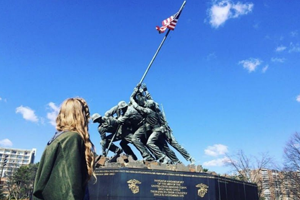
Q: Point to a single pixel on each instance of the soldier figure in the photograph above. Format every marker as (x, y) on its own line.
(107, 125)
(154, 124)
(169, 137)
(164, 135)
(126, 128)
(138, 128)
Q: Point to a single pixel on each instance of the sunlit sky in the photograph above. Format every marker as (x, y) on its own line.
(227, 76)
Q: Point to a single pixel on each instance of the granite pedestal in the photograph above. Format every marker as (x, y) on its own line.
(152, 184)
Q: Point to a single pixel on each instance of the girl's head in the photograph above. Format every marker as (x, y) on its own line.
(73, 115)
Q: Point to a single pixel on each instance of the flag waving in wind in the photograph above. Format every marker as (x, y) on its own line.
(169, 23)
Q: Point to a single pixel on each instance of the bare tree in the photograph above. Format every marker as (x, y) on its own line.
(292, 163)
(244, 165)
(249, 168)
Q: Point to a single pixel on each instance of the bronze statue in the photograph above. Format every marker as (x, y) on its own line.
(142, 124)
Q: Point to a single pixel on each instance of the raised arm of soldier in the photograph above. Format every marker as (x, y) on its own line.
(136, 105)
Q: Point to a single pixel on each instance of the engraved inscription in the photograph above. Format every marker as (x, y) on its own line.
(99, 172)
(168, 188)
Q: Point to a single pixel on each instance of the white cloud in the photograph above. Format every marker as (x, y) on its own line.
(219, 13)
(280, 60)
(280, 48)
(298, 98)
(53, 114)
(6, 143)
(1, 99)
(28, 113)
(217, 162)
(281, 38)
(294, 33)
(241, 9)
(223, 10)
(211, 56)
(250, 64)
(265, 69)
(42, 120)
(256, 25)
(294, 48)
(216, 150)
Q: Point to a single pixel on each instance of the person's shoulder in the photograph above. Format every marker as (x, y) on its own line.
(63, 140)
(70, 134)
(70, 138)
(67, 136)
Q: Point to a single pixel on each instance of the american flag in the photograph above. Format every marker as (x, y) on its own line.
(169, 23)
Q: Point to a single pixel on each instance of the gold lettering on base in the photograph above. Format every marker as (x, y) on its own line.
(202, 189)
(168, 188)
(133, 187)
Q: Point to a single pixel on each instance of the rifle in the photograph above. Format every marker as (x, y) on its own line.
(112, 139)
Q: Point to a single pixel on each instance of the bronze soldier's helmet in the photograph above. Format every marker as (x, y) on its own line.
(122, 104)
(95, 116)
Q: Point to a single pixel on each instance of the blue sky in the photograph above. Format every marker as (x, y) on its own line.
(227, 76)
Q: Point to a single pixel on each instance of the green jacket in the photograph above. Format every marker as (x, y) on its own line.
(62, 171)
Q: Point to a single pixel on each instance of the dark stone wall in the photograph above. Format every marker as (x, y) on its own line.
(146, 184)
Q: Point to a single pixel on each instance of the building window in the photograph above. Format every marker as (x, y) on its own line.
(277, 193)
(287, 192)
(267, 193)
(277, 185)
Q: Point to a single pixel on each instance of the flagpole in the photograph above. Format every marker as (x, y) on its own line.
(158, 49)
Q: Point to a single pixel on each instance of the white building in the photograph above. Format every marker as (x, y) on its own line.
(12, 159)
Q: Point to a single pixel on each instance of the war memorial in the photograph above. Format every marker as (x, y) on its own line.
(160, 175)
(141, 180)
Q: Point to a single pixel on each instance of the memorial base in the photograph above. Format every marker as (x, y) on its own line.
(152, 184)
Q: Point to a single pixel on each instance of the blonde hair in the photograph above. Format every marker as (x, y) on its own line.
(74, 116)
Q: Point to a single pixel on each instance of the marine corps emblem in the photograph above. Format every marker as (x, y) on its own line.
(202, 189)
(132, 185)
